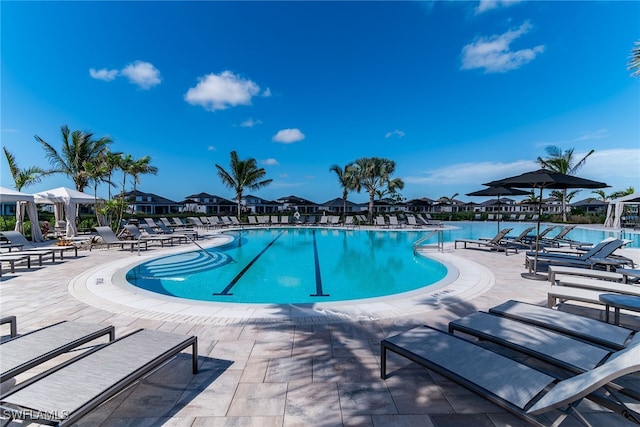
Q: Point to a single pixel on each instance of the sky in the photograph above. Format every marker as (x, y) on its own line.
(456, 93)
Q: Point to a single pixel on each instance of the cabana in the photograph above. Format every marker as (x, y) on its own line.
(24, 202)
(65, 202)
(616, 208)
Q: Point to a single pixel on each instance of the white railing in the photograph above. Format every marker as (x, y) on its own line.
(418, 244)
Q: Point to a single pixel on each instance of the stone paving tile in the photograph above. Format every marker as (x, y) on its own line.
(238, 422)
(314, 404)
(345, 369)
(365, 398)
(266, 399)
(402, 421)
(294, 371)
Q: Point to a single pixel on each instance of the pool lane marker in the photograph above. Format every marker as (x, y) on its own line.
(316, 260)
(246, 268)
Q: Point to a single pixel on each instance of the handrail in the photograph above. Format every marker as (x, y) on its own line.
(206, 252)
(440, 244)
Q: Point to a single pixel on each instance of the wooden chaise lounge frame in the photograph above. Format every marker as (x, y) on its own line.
(516, 387)
(66, 393)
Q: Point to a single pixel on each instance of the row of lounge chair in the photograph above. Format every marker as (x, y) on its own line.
(22, 251)
(573, 358)
(504, 217)
(64, 393)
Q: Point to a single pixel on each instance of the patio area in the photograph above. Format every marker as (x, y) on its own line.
(283, 367)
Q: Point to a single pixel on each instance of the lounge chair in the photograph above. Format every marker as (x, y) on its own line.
(491, 217)
(411, 221)
(12, 259)
(334, 220)
(349, 221)
(18, 238)
(150, 222)
(532, 237)
(23, 352)
(178, 222)
(513, 217)
(555, 270)
(109, 238)
(380, 222)
(553, 347)
(135, 233)
(559, 238)
(274, 220)
(598, 285)
(430, 221)
(13, 325)
(252, 220)
(70, 391)
(263, 220)
(324, 220)
(284, 219)
(197, 222)
(522, 217)
(516, 387)
(520, 238)
(150, 233)
(495, 243)
(393, 221)
(187, 234)
(599, 254)
(584, 328)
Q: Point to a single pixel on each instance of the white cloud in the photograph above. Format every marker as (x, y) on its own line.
(249, 123)
(485, 5)
(471, 173)
(270, 162)
(221, 91)
(266, 93)
(617, 167)
(288, 136)
(396, 132)
(212, 148)
(103, 74)
(587, 136)
(143, 74)
(493, 53)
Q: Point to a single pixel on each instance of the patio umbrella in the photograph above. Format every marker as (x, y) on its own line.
(499, 191)
(544, 179)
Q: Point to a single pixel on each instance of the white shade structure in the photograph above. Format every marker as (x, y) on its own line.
(616, 207)
(23, 202)
(65, 200)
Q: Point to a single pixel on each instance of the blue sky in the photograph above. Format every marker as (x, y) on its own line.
(456, 93)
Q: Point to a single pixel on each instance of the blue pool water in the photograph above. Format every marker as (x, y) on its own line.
(302, 265)
(294, 265)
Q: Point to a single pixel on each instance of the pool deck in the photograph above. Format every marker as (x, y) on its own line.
(284, 365)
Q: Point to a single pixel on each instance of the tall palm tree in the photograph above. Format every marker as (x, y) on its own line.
(601, 195)
(78, 148)
(618, 194)
(347, 180)
(112, 162)
(141, 167)
(565, 163)
(23, 177)
(373, 173)
(634, 60)
(242, 174)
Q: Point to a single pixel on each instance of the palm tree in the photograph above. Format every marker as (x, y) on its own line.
(634, 60)
(242, 174)
(23, 177)
(618, 194)
(601, 195)
(373, 173)
(112, 162)
(565, 163)
(347, 180)
(141, 167)
(78, 148)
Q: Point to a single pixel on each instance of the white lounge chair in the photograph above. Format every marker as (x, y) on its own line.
(136, 234)
(18, 238)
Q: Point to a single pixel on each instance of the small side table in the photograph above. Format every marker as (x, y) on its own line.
(618, 301)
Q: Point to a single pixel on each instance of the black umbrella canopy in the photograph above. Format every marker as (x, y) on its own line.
(544, 178)
(499, 191)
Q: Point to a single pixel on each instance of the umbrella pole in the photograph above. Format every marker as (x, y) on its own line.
(535, 275)
(499, 215)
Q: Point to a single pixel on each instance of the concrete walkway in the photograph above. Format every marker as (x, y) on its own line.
(284, 370)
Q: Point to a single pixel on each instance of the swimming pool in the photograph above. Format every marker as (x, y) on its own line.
(293, 265)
